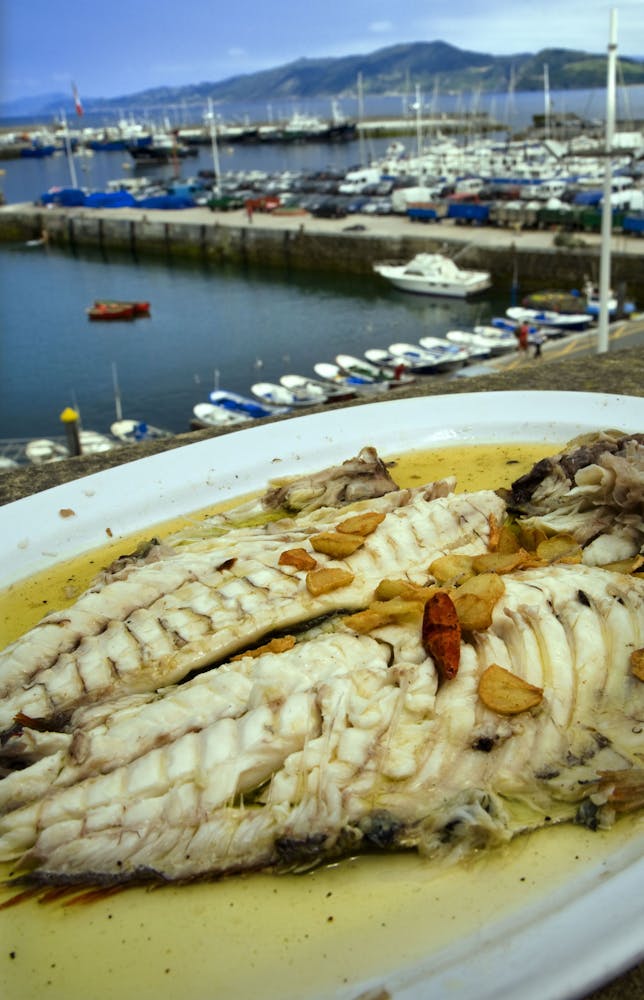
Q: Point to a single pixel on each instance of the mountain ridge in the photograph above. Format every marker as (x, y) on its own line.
(395, 69)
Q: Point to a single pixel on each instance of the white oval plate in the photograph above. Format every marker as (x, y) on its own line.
(587, 931)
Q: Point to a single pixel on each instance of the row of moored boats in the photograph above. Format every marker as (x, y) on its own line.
(383, 370)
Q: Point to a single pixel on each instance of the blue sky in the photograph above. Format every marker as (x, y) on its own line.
(123, 46)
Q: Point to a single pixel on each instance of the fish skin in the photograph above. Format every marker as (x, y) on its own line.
(350, 742)
(158, 621)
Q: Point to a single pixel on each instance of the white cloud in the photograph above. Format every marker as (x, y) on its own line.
(237, 53)
(380, 27)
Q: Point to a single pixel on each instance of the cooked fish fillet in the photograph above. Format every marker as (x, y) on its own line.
(153, 621)
(348, 742)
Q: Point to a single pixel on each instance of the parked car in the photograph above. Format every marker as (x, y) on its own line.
(356, 204)
(330, 208)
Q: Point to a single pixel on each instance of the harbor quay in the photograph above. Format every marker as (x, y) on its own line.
(298, 240)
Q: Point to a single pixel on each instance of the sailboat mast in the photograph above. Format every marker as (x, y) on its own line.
(68, 151)
(361, 121)
(607, 207)
(117, 393)
(546, 101)
(213, 143)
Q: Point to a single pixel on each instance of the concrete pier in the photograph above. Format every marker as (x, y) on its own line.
(302, 242)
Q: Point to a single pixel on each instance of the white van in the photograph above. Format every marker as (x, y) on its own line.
(631, 199)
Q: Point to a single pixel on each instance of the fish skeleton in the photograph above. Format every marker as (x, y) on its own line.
(349, 742)
(154, 620)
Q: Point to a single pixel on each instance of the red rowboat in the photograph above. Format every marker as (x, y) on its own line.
(105, 309)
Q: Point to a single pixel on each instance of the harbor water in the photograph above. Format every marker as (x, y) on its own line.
(208, 325)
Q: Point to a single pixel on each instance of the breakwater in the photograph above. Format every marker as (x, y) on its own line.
(302, 243)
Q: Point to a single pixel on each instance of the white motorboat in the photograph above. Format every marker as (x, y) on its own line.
(434, 274)
(278, 395)
(210, 415)
(395, 374)
(549, 319)
(133, 431)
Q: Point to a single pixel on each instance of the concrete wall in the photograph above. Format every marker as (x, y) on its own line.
(298, 248)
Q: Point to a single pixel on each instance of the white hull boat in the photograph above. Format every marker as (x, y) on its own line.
(44, 450)
(454, 355)
(549, 319)
(395, 374)
(278, 395)
(434, 274)
(133, 431)
(236, 403)
(419, 360)
(481, 344)
(380, 356)
(210, 415)
(95, 443)
(333, 373)
(502, 335)
(316, 391)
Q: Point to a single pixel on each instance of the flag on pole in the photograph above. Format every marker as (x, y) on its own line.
(77, 100)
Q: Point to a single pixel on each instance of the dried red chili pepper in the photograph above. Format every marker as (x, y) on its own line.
(441, 634)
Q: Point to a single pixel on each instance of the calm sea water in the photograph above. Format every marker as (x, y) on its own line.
(207, 324)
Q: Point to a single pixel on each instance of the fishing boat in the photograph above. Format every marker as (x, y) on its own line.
(233, 401)
(316, 391)
(417, 359)
(210, 415)
(133, 431)
(396, 374)
(278, 395)
(549, 319)
(434, 274)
